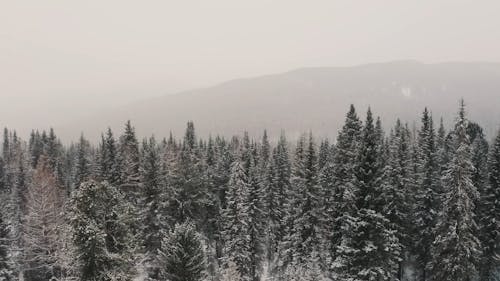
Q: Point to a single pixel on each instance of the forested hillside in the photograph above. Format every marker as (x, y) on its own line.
(372, 204)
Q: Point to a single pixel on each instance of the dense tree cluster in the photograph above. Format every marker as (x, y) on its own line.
(413, 204)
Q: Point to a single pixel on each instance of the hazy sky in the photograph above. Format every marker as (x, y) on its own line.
(73, 57)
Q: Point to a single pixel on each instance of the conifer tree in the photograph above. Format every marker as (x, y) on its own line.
(479, 152)
(129, 161)
(53, 150)
(427, 195)
(456, 249)
(182, 257)
(221, 174)
(35, 147)
(154, 194)
(369, 249)
(324, 154)
(6, 273)
(396, 189)
(276, 196)
(256, 225)
(490, 216)
(340, 193)
(303, 236)
(109, 169)
(101, 222)
(83, 167)
(188, 179)
(237, 246)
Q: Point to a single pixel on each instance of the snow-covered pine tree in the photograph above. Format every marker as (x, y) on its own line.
(129, 161)
(181, 257)
(479, 151)
(220, 177)
(236, 222)
(83, 169)
(35, 147)
(5, 262)
(42, 225)
(188, 179)
(54, 151)
(212, 217)
(256, 225)
(303, 237)
(444, 150)
(154, 209)
(427, 197)
(213, 204)
(370, 249)
(109, 169)
(101, 221)
(324, 154)
(275, 181)
(396, 190)
(277, 203)
(17, 176)
(490, 216)
(456, 249)
(340, 193)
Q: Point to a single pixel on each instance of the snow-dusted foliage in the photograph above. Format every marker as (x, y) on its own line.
(101, 221)
(456, 249)
(43, 224)
(413, 205)
(181, 256)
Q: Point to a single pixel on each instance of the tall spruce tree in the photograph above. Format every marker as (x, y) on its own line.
(182, 257)
(109, 169)
(396, 189)
(490, 216)
(154, 209)
(189, 181)
(237, 247)
(370, 249)
(6, 273)
(101, 221)
(129, 161)
(456, 249)
(276, 198)
(303, 236)
(83, 168)
(427, 197)
(341, 195)
(256, 223)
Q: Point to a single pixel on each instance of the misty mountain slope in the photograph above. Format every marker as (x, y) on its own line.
(313, 99)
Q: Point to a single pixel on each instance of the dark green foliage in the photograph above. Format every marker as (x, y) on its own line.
(490, 216)
(181, 255)
(456, 249)
(101, 222)
(83, 162)
(154, 195)
(109, 169)
(428, 194)
(369, 249)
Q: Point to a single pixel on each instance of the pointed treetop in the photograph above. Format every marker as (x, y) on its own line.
(189, 137)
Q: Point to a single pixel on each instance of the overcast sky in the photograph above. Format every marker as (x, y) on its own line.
(73, 57)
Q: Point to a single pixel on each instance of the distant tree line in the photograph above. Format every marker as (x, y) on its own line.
(410, 204)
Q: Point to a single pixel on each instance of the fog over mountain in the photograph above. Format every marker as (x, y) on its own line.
(311, 99)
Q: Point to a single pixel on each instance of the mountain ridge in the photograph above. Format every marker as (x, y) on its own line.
(320, 94)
